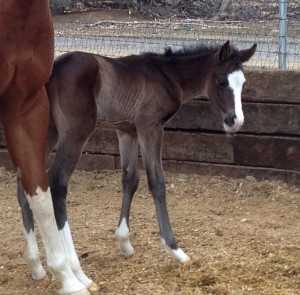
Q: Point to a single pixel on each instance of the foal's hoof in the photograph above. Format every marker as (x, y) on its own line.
(180, 256)
(38, 274)
(126, 249)
(93, 287)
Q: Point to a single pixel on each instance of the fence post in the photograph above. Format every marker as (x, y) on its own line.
(282, 33)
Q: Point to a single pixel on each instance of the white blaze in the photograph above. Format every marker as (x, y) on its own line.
(236, 81)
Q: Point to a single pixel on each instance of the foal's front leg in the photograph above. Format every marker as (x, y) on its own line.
(128, 146)
(151, 148)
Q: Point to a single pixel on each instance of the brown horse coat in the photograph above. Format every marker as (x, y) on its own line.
(26, 58)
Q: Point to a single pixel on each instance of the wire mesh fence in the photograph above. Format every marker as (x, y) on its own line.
(242, 22)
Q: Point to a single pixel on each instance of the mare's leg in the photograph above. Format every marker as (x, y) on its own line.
(31, 252)
(26, 140)
(151, 139)
(73, 133)
(128, 145)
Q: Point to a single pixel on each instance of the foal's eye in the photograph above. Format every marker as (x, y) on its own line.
(222, 82)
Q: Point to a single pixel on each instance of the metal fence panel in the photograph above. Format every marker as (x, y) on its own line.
(247, 22)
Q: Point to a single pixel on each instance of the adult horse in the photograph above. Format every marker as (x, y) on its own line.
(26, 58)
(137, 95)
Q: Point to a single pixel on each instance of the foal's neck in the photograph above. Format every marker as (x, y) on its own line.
(191, 74)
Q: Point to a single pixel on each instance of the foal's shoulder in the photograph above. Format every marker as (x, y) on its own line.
(71, 56)
(74, 60)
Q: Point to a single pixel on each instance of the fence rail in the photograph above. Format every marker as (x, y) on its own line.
(278, 37)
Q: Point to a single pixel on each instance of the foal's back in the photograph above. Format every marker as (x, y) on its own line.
(119, 88)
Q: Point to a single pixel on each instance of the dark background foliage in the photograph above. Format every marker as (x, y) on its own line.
(207, 9)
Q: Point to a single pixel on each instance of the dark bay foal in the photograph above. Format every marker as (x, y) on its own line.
(137, 95)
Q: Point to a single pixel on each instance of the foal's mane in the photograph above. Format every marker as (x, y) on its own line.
(199, 49)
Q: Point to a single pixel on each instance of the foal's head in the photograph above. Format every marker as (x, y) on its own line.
(226, 84)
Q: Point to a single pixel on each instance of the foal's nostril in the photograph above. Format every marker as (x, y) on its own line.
(230, 120)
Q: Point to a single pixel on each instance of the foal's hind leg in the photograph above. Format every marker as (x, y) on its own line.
(69, 149)
(151, 149)
(128, 145)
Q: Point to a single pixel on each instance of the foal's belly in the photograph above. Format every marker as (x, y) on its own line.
(125, 126)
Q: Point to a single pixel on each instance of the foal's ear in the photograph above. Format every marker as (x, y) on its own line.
(224, 52)
(246, 54)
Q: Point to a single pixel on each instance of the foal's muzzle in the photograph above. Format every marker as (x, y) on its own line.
(232, 123)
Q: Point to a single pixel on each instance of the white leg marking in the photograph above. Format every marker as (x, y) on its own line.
(178, 254)
(122, 234)
(73, 258)
(236, 81)
(32, 256)
(57, 259)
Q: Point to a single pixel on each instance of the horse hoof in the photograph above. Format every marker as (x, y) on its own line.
(126, 250)
(182, 257)
(93, 287)
(125, 247)
(178, 253)
(38, 274)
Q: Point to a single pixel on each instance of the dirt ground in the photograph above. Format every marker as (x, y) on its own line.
(242, 236)
(92, 17)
